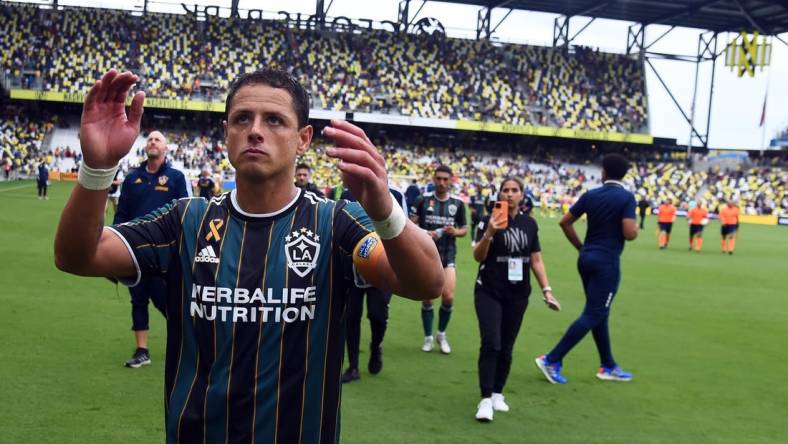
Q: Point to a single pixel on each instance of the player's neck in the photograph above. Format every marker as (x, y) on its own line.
(442, 197)
(264, 197)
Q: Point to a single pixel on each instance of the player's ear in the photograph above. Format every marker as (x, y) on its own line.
(305, 138)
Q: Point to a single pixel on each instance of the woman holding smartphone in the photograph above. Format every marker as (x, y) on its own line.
(507, 246)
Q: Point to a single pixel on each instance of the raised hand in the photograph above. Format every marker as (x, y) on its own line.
(106, 133)
(363, 168)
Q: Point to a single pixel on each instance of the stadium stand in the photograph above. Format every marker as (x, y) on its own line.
(372, 71)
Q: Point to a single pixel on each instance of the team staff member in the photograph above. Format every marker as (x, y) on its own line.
(643, 205)
(665, 217)
(377, 312)
(42, 180)
(443, 216)
(205, 184)
(502, 289)
(150, 186)
(255, 296)
(729, 218)
(611, 220)
(697, 217)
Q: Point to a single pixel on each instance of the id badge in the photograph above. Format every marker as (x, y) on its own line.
(515, 269)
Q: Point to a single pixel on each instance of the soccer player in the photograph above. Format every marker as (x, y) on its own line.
(665, 217)
(377, 312)
(477, 207)
(303, 179)
(150, 186)
(729, 218)
(611, 220)
(697, 217)
(256, 290)
(503, 286)
(443, 216)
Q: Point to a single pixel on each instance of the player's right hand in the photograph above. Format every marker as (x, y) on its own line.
(107, 133)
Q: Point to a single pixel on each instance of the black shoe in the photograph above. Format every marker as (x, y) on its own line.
(350, 375)
(375, 361)
(141, 357)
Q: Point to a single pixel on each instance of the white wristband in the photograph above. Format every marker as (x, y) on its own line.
(392, 226)
(546, 289)
(96, 178)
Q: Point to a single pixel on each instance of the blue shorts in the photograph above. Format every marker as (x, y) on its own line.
(696, 230)
(666, 226)
(728, 230)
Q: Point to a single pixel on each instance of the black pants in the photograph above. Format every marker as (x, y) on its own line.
(500, 315)
(42, 188)
(377, 313)
(151, 288)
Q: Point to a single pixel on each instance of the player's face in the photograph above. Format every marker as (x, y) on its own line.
(262, 134)
(511, 192)
(302, 177)
(156, 145)
(441, 180)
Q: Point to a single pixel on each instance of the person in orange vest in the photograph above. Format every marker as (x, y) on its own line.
(729, 218)
(665, 217)
(698, 218)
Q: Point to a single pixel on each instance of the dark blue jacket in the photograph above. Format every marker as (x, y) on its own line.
(43, 173)
(143, 192)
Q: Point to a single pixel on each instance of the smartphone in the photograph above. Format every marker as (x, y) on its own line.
(501, 213)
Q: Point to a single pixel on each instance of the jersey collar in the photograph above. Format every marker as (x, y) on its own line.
(617, 183)
(234, 201)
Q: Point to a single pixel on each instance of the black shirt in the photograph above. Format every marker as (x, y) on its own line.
(519, 239)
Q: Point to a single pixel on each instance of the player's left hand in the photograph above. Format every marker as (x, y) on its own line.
(551, 301)
(450, 230)
(363, 167)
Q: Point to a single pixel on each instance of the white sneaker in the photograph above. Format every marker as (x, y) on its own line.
(498, 403)
(427, 347)
(443, 343)
(484, 412)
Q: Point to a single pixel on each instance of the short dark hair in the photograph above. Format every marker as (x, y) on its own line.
(275, 78)
(443, 169)
(615, 166)
(303, 166)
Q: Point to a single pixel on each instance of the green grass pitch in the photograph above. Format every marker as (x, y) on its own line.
(704, 334)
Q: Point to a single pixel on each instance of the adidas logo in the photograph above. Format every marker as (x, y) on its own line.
(207, 255)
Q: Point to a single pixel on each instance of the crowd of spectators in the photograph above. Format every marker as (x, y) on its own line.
(21, 138)
(372, 71)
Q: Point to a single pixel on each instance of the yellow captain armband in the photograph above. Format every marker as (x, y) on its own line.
(367, 256)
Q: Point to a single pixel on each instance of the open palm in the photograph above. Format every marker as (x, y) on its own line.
(107, 133)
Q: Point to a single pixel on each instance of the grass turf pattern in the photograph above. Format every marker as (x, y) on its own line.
(704, 334)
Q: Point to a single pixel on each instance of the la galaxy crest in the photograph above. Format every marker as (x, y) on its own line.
(302, 249)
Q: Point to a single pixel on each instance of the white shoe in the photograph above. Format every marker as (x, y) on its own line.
(484, 412)
(427, 347)
(443, 343)
(498, 403)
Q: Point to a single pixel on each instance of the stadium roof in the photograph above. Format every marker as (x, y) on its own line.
(768, 17)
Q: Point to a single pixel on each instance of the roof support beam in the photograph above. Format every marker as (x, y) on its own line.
(689, 10)
(749, 17)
